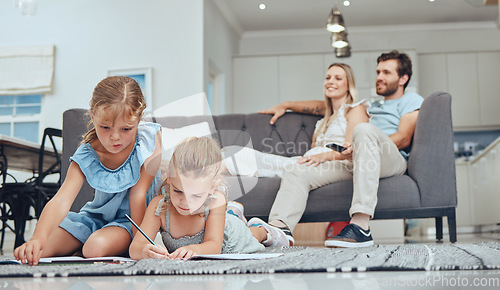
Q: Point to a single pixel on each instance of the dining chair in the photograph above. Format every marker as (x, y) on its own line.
(16, 198)
(5, 212)
(47, 189)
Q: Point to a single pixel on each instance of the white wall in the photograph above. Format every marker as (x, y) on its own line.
(221, 43)
(94, 36)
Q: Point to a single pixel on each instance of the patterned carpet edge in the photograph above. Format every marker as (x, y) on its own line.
(406, 257)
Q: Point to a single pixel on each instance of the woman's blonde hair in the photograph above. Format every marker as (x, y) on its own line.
(352, 96)
(199, 158)
(115, 96)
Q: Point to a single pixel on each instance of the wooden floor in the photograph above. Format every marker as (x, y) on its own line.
(310, 234)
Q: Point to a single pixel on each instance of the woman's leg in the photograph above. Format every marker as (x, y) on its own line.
(108, 241)
(271, 165)
(250, 162)
(297, 181)
(61, 243)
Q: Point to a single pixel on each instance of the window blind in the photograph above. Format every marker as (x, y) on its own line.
(26, 69)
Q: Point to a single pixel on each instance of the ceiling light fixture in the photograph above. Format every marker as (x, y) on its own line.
(336, 25)
(343, 52)
(335, 21)
(339, 39)
(262, 6)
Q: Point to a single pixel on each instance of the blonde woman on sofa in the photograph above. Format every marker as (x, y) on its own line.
(320, 165)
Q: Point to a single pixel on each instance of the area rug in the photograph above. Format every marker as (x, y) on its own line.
(407, 257)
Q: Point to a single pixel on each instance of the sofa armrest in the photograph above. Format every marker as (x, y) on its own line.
(432, 160)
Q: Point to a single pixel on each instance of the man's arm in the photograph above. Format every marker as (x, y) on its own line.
(406, 128)
(306, 107)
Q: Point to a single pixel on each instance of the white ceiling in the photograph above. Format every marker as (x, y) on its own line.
(245, 15)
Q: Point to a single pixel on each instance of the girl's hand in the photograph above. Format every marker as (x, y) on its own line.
(316, 159)
(183, 253)
(29, 252)
(154, 252)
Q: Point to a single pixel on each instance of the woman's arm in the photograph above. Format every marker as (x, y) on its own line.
(141, 248)
(214, 232)
(354, 117)
(52, 215)
(315, 107)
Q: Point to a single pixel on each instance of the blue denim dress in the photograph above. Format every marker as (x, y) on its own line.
(111, 203)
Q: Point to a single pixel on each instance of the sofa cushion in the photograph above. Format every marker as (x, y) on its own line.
(291, 135)
(173, 136)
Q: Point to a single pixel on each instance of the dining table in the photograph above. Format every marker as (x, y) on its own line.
(19, 157)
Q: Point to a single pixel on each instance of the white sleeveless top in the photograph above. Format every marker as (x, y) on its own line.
(335, 133)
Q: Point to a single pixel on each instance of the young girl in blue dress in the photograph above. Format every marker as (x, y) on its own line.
(191, 213)
(119, 157)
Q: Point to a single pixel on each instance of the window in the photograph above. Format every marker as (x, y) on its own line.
(20, 116)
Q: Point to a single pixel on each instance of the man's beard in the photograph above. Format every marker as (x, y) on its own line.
(389, 89)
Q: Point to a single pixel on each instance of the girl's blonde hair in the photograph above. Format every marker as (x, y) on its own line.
(199, 158)
(352, 96)
(115, 96)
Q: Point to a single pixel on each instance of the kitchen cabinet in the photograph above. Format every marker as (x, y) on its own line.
(463, 87)
(464, 206)
(472, 79)
(261, 82)
(434, 74)
(488, 64)
(478, 196)
(484, 178)
(478, 182)
(300, 77)
(255, 83)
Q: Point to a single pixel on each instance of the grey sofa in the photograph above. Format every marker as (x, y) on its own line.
(427, 190)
